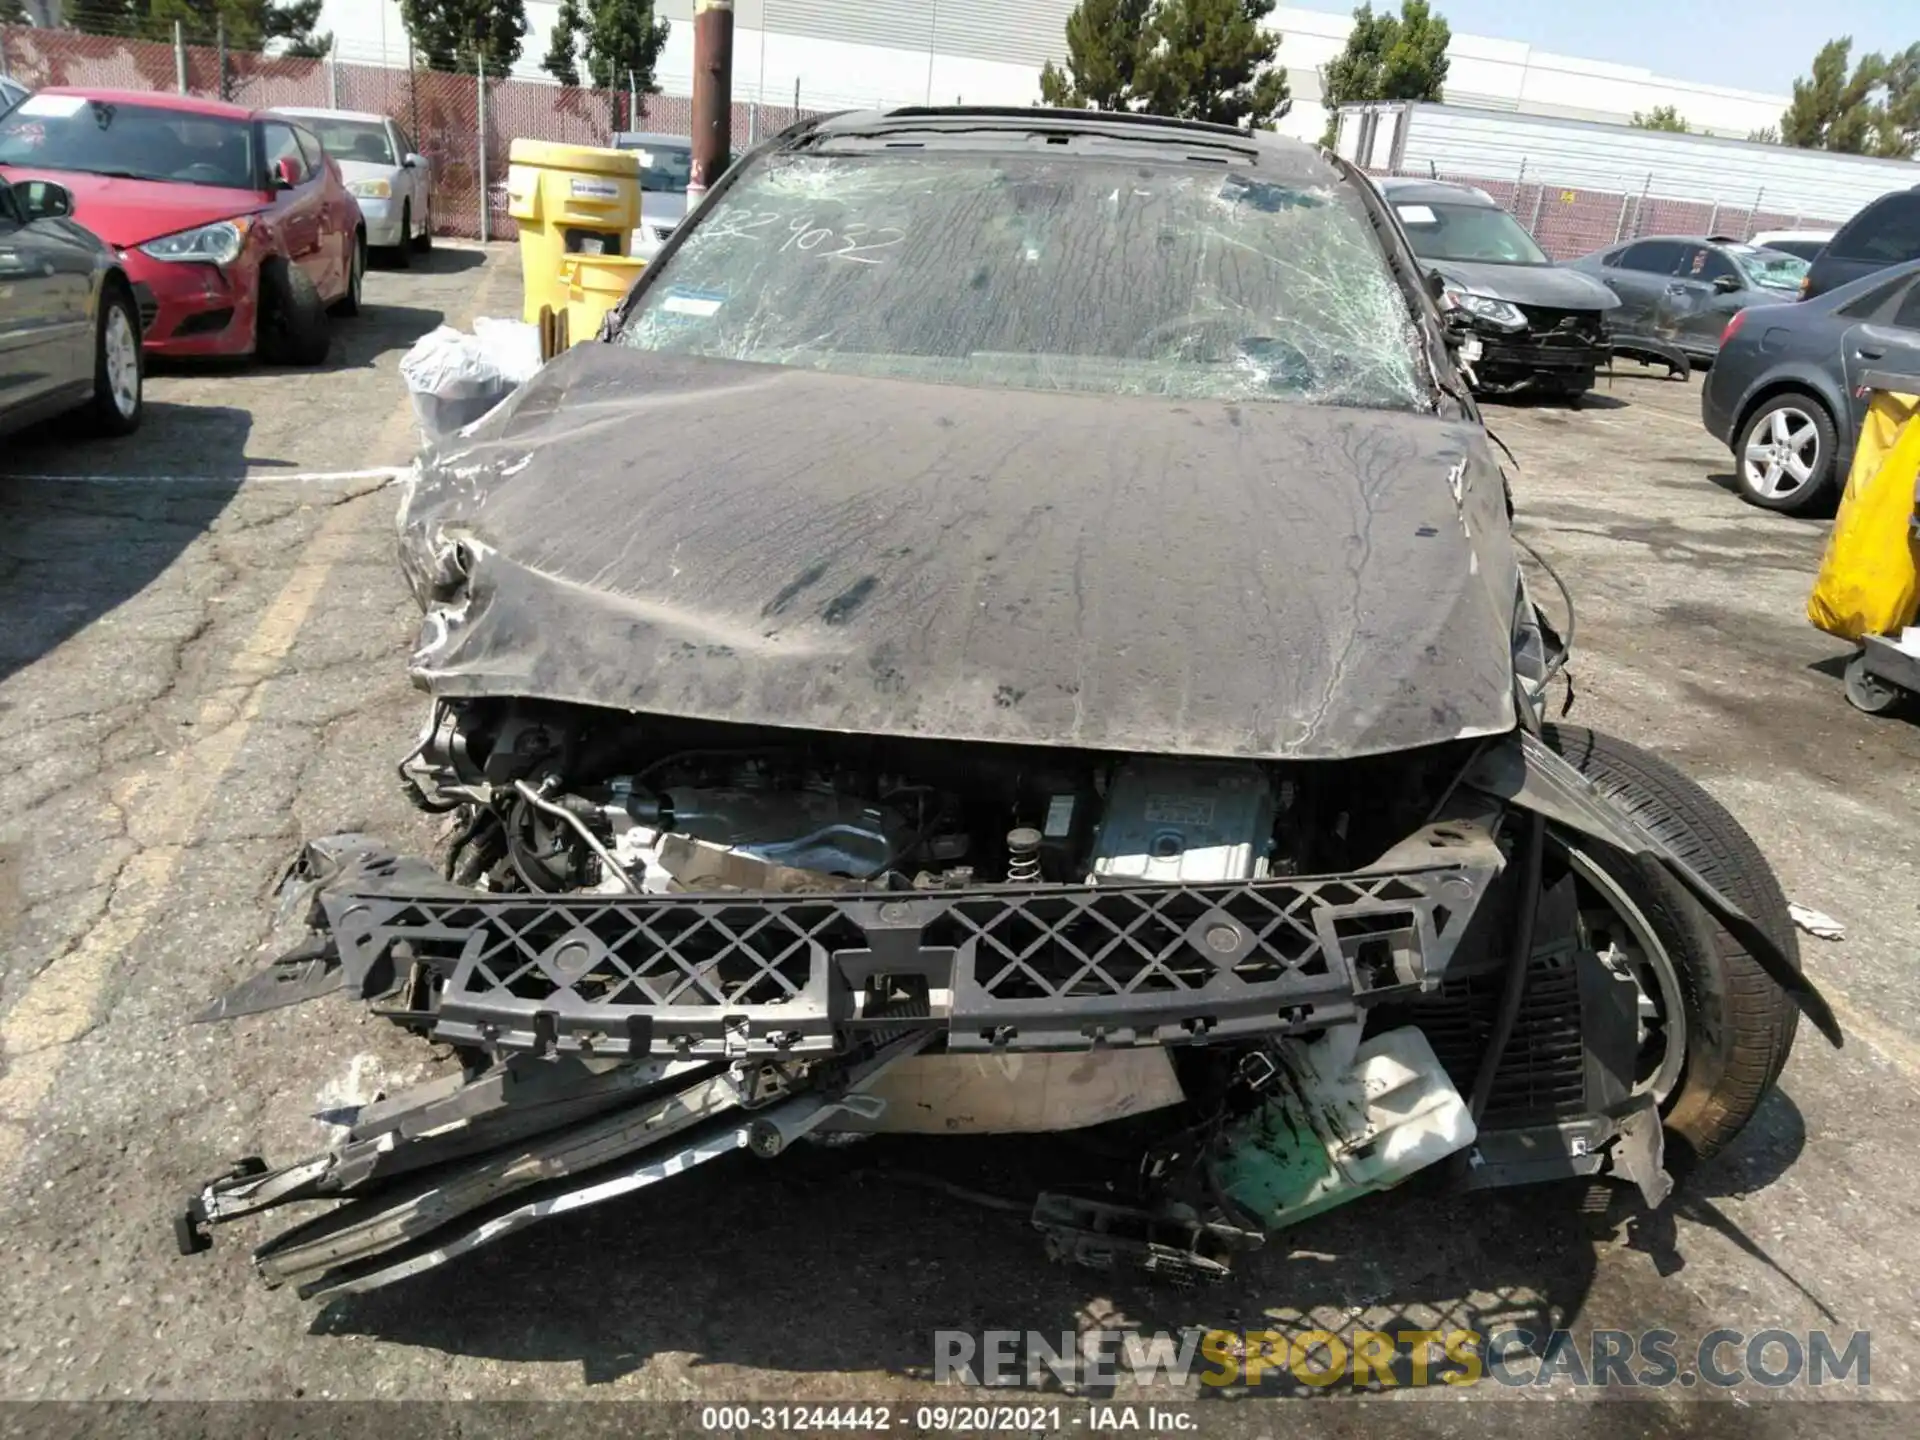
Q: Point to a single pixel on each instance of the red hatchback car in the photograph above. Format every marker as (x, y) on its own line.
(233, 224)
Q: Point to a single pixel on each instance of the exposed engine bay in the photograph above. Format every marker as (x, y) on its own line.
(653, 942)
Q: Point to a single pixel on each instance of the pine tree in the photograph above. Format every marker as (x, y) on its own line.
(13, 12)
(1661, 117)
(248, 24)
(457, 34)
(1104, 39)
(562, 59)
(1832, 109)
(1387, 57)
(104, 17)
(1211, 60)
(620, 40)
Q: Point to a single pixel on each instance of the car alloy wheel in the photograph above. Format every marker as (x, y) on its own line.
(1783, 457)
(122, 348)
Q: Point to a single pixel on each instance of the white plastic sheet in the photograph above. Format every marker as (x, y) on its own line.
(456, 378)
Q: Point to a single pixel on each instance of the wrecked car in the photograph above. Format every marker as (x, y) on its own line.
(1015, 627)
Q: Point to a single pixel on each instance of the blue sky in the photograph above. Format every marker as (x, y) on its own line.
(1748, 44)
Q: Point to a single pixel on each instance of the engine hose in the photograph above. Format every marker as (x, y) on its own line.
(560, 812)
(1518, 964)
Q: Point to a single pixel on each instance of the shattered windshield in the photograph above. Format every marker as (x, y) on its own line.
(1084, 275)
(1768, 268)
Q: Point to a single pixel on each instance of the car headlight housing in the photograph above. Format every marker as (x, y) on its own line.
(1502, 313)
(371, 189)
(217, 244)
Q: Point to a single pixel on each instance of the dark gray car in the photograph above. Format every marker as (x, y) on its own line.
(69, 325)
(1784, 395)
(1542, 329)
(1683, 289)
(1887, 232)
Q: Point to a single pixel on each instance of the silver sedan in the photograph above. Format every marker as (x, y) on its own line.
(391, 180)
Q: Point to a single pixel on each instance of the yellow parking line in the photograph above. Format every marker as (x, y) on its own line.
(59, 1005)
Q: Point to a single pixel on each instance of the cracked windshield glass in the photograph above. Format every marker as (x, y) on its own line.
(1078, 275)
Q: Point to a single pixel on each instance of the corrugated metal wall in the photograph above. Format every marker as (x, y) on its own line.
(1613, 157)
(1022, 32)
(896, 24)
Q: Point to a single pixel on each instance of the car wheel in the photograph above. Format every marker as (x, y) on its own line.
(403, 252)
(293, 319)
(423, 242)
(349, 303)
(119, 380)
(1716, 1031)
(1785, 455)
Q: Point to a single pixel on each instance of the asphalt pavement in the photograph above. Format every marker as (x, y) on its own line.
(202, 662)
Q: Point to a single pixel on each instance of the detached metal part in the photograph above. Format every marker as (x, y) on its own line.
(536, 1165)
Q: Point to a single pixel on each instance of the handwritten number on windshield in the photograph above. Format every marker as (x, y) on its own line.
(857, 242)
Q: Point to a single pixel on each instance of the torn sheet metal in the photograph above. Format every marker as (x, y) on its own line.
(739, 542)
(1523, 769)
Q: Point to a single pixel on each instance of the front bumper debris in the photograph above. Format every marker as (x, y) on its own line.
(1002, 968)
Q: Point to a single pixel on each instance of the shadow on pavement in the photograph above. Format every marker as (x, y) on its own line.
(742, 1262)
(74, 549)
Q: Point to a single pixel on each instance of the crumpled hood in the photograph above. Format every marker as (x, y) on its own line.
(1553, 286)
(132, 212)
(786, 547)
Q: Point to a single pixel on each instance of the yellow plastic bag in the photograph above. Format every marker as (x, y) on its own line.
(1869, 581)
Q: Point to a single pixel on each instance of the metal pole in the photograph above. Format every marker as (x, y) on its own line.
(220, 42)
(333, 76)
(179, 57)
(1539, 200)
(1713, 220)
(796, 97)
(633, 101)
(753, 122)
(712, 93)
(933, 36)
(486, 195)
(1620, 229)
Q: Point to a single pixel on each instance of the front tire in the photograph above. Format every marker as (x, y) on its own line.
(423, 242)
(1738, 1025)
(119, 373)
(1785, 455)
(349, 303)
(403, 252)
(293, 325)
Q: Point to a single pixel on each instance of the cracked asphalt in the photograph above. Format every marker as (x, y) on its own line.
(197, 672)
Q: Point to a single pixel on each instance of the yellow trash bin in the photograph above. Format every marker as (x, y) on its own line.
(1869, 581)
(594, 285)
(568, 200)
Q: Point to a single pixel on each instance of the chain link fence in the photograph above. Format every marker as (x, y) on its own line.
(442, 112)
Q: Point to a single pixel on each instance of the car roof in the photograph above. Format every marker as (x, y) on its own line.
(983, 124)
(1790, 235)
(157, 100)
(638, 138)
(311, 112)
(1413, 189)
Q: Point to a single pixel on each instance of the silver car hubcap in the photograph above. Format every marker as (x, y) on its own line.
(1782, 455)
(1614, 926)
(123, 362)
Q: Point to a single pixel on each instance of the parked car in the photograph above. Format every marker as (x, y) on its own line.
(1785, 394)
(1807, 244)
(1886, 233)
(12, 92)
(233, 224)
(1542, 329)
(384, 171)
(1067, 660)
(69, 324)
(666, 167)
(1684, 288)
